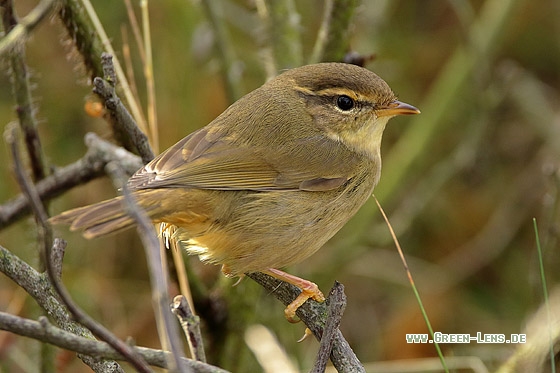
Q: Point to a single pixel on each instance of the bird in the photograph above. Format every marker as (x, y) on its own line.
(269, 181)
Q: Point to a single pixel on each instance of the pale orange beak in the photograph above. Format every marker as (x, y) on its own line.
(397, 108)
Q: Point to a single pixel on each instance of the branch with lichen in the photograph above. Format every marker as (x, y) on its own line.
(38, 286)
(70, 335)
(314, 315)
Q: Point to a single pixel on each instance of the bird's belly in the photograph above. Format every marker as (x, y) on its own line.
(276, 229)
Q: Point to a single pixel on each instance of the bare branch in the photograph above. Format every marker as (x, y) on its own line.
(38, 286)
(22, 92)
(89, 167)
(43, 331)
(124, 127)
(159, 278)
(45, 233)
(96, 328)
(313, 314)
(19, 33)
(191, 326)
(336, 303)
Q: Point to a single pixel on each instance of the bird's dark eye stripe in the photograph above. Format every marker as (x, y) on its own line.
(344, 102)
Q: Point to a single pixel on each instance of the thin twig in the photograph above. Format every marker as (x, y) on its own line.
(191, 326)
(135, 31)
(124, 127)
(44, 230)
(149, 77)
(46, 237)
(22, 94)
(412, 284)
(19, 33)
(91, 40)
(336, 303)
(313, 314)
(180, 268)
(44, 331)
(159, 278)
(28, 189)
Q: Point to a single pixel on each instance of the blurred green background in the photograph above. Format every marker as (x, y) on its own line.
(461, 182)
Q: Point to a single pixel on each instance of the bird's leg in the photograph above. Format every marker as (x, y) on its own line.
(308, 290)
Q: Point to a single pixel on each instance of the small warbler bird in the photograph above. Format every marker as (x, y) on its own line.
(271, 179)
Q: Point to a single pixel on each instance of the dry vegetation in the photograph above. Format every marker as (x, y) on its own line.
(461, 182)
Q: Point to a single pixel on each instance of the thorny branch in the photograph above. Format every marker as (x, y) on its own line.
(22, 91)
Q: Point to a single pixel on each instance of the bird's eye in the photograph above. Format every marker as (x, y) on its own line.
(344, 103)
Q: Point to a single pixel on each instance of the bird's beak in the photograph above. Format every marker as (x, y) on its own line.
(397, 108)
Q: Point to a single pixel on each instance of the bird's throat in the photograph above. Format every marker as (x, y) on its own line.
(366, 140)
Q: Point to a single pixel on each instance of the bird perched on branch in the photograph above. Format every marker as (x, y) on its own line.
(271, 179)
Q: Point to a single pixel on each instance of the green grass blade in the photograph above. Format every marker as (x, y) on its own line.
(545, 293)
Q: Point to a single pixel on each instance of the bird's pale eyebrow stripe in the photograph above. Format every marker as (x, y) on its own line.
(333, 92)
(328, 92)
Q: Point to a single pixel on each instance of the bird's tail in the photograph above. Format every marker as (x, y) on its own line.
(99, 219)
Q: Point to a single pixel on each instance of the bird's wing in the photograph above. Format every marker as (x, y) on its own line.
(208, 160)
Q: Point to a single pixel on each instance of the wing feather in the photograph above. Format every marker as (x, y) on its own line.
(206, 160)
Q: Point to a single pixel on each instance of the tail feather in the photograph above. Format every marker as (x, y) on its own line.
(98, 219)
(176, 206)
(109, 227)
